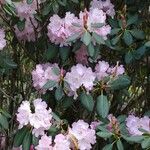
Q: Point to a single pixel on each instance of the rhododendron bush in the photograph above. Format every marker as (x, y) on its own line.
(74, 75)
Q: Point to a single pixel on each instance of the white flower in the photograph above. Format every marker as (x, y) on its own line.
(24, 113)
(61, 143)
(101, 70)
(45, 143)
(2, 39)
(84, 135)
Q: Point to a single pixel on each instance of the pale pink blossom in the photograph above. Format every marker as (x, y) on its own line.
(41, 119)
(95, 124)
(106, 6)
(43, 73)
(23, 114)
(45, 143)
(61, 142)
(133, 124)
(25, 10)
(28, 33)
(60, 29)
(84, 134)
(101, 70)
(118, 70)
(80, 76)
(2, 39)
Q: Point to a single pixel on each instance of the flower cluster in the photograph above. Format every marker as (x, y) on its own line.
(106, 6)
(28, 33)
(80, 136)
(2, 39)
(60, 29)
(43, 73)
(93, 21)
(134, 123)
(26, 13)
(84, 134)
(80, 76)
(103, 69)
(40, 120)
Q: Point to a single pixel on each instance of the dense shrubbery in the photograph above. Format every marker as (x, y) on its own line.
(74, 74)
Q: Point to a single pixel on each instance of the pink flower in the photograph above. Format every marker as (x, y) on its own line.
(24, 113)
(85, 136)
(118, 70)
(81, 55)
(43, 73)
(2, 39)
(61, 143)
(45, 143)
(101, 70)
(134, 123)
(95, 124)
(80, 75)
(25, 10)
(60, 29)
(41, 119)
(28, 33)
(106, 6)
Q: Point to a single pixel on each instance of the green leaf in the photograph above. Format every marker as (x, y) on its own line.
(115, 40)
(97, 25)
(102, 106)
(139, 52)
(46, 10)
(87, 101)
(136, 139)
(75, 1)
(59, 93)
(120, 82)
(108, 147)
(35, 140)
(86, 38)
(91, 50)
(147, 44)
(67, 102)
(10, 63)
(98, 38)
(73, 37)
(62, 2)
(3, 121)
(21, 25)
(55, 7)
(120, 145)
(64, 53)
(56, 117)
(6, 114)
(29, 2)
(127, 37)
(129, 57)
(115, 31)
(138, 34)
(20, 136)
(51, 52)
(27, 141)
(50, 84)
(145, 143)
(104, 134)
(56, 71)
(132, 20)
(53, 131)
